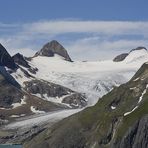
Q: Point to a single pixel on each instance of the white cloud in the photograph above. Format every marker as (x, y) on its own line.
(85, 40)
(102, 27)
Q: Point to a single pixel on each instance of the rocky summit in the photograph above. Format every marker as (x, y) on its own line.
(52, 48)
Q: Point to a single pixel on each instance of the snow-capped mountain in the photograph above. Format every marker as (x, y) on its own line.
(34, 87)
(137, 53)
(94, 79)
(53, 78)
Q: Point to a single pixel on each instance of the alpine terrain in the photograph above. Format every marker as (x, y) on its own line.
(109, 98)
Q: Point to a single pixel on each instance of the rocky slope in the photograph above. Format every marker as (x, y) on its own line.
(119, 119)
(55, 93)
(15, 102)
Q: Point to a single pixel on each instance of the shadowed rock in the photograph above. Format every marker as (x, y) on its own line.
(6, 59)
(20, 60)
(120, 57)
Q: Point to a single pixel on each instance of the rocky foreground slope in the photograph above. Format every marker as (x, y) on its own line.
(118, 120)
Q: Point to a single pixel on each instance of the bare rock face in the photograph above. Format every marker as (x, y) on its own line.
(52, 48)
(136, 137)
(9, 94)
(120, 57)
(6, 59)
(20, 60)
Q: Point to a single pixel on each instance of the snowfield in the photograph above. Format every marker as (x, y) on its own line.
(94, 79)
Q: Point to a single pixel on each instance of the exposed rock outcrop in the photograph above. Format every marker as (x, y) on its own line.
(120, 57)
(20, 60)
(52, 48)
(9, 94)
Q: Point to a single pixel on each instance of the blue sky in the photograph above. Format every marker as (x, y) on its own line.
(89, 29)
(34, 10)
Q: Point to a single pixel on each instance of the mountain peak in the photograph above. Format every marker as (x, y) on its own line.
(52, 48)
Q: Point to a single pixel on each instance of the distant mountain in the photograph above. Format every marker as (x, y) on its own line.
(140, 51)
(52, 48)
(118, 120)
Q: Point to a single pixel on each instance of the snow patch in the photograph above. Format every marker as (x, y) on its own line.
(136, 79)
(15, 105)
(113, 107)
(143, 93)
(127, 113)
(132, 88)
(17, 116)
(34, 110)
